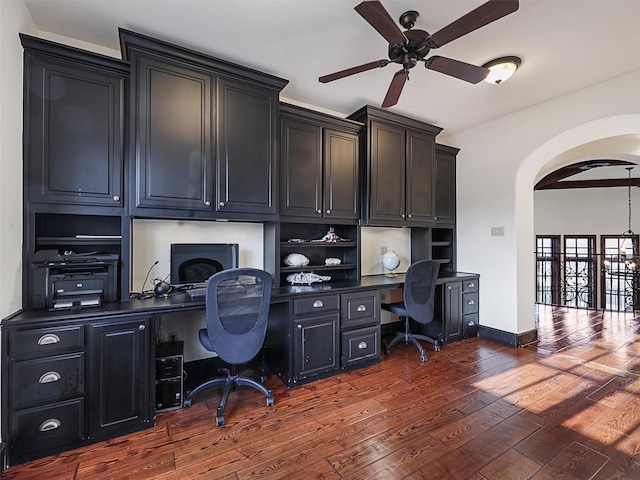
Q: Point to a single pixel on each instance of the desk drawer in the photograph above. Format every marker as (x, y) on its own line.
(469, 303)
(42, 342)
(360, 345)
(48, 379)
(316, 304)
(470, 325)
(360, 309)
(470, 285)
(52, 427)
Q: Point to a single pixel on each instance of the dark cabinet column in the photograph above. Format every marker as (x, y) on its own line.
(74, 118)
(387, 174)
(173, 134)
(120, 372)
(419, 181)
(445, 185)
(341, 177)
(247, 129)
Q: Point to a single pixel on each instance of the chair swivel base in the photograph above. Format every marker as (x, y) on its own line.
(408, 337)
(229, 383)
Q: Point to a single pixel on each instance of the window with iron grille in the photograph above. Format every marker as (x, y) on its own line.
(548, 269)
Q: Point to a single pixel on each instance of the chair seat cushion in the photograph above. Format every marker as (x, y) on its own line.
(398, 308)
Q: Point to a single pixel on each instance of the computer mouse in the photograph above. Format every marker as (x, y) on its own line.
(162, 288)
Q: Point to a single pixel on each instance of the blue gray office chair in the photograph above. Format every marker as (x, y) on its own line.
(237, 306)
(418, 304)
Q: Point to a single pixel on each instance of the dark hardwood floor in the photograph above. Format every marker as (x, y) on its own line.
(567, 407)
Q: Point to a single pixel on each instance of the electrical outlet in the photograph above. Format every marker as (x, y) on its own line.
(383, 249)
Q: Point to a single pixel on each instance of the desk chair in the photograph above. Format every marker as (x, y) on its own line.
(237, 309)
(418, 304)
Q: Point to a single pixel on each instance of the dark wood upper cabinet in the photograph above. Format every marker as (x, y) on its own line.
(204, 134)
(399, 166)
(445, 198)
(73, 125)
(173, 134)
(319, 165)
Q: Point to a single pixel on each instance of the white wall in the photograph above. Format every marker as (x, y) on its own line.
(498, 165)
(597, 211)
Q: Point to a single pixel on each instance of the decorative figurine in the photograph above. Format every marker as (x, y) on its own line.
(331, 237)
(296, 260)
(306, 277)
(332, 261)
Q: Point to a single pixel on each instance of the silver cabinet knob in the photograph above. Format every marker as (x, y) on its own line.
(222, 204)
(402, 215)
(318, 211)
(328, 212)
(207, 203)
(299, 327)
(141, 327)
(116, 198)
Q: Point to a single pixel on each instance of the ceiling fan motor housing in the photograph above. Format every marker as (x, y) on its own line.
(416, 49)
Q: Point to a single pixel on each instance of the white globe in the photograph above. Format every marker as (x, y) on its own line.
(390, 260)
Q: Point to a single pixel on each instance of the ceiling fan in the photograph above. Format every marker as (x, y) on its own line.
(409, 47)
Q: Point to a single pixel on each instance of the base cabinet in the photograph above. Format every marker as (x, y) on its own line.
(457, 306)
(66, 385)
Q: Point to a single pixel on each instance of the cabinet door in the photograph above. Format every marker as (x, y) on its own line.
(341, 180)
(173, 134)
(387, 174)
(316, 345)
(419, 176)
(247, 127)
(445, 209)
(452, 321)
(120, 372)
(73, 132)
(300, 168)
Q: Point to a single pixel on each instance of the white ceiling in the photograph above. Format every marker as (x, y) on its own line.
(565, 45)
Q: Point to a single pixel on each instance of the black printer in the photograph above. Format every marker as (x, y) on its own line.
(63, 280)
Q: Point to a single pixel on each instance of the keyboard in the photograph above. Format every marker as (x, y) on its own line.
(197, 292)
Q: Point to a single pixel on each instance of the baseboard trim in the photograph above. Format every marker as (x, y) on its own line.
(508, 338)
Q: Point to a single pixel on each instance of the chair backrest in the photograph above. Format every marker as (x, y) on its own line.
(237, 310)
(420, 289)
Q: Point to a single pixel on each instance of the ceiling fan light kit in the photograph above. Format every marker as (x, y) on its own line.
(501, 69)
(412, 46)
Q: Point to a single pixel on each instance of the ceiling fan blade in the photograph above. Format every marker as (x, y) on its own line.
(374, 12)
(395, 89)
(481, 16)
(353, 70)
(464, 71)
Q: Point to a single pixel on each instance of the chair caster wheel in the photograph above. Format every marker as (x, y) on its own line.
(219, 421)
(437, 348)
(269, 402)
(187, 403)
(423, 358)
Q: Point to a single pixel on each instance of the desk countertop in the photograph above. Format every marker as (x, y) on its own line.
(179, 301)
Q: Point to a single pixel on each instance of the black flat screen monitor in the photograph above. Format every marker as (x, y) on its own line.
(196, 262)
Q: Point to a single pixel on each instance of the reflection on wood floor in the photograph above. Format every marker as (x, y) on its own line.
(567, 407)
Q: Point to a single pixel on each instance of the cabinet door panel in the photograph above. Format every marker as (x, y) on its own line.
(301, 169)
(316, 345)
(453, 311)
(173, 136)
(341, 175)
(120, 385)
(74, 128)
(445, 211)
(420, 171)
(246, 140)
(387, 187)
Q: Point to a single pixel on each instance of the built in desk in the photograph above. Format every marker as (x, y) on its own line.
(74, 377)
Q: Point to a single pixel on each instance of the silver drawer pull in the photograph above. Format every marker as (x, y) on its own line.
(361, 308)
(471, 285)
(471, 324)
(50, 377)
(318, 304)
(50, 424)
(362, 345)
(471, 302)
(48, 339)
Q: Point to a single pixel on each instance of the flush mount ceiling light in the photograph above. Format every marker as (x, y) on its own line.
(501, 69)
